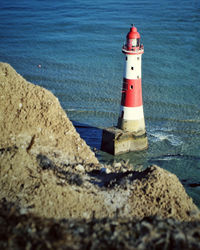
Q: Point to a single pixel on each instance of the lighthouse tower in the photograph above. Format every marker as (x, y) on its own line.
(131, 113)
(130, 134)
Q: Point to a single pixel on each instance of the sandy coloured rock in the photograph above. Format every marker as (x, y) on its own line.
(161, 193)
(22, 230)
(48, 189)
(48, 170)
(31, 118)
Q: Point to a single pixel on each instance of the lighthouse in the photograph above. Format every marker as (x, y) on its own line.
(131, 112)
(129, 134)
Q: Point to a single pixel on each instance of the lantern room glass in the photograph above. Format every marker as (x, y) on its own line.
(136, 42)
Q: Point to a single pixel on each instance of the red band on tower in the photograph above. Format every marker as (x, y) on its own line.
(131, 93)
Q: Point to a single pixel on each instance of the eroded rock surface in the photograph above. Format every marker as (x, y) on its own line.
(48, 170)
(21, 230)
(31, 118)
(47, 189)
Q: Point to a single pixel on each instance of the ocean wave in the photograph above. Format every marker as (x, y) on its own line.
(163, 136)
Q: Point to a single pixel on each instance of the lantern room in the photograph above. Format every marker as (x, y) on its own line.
(132, 40)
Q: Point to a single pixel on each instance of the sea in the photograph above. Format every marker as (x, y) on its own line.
(73, 48)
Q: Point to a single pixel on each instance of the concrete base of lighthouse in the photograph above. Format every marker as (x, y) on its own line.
(116, 141)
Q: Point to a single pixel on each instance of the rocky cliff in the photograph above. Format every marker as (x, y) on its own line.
(31, 118)
(48, 170)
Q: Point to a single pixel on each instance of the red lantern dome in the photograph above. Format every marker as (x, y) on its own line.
(133, 34)
(132, 39)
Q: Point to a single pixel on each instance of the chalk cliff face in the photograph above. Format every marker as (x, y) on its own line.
(46, 189)
(31, 118)
(160, 192)
(47, 169)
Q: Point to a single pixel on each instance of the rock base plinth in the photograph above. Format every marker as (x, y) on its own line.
(116, 141)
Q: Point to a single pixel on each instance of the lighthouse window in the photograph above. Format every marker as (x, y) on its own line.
(137, 77)
(134, 42)
(126, 58)
(131, 87)
(138, 58)
(132, 68)
(138, 42)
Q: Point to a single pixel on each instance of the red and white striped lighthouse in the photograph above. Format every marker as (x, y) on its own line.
(131, 117)
(130, 134)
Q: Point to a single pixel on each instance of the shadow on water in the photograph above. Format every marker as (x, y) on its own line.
(91, 135)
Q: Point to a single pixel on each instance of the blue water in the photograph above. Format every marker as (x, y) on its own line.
(78, 45)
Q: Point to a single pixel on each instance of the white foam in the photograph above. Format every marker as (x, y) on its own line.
(161, 136)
